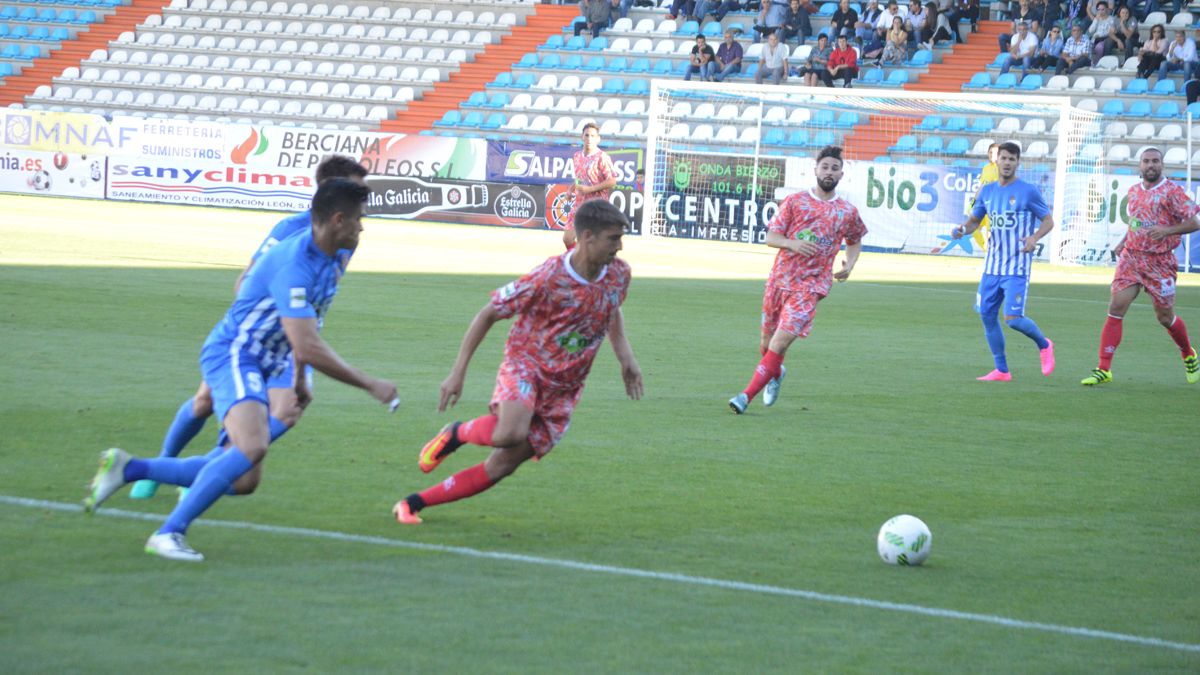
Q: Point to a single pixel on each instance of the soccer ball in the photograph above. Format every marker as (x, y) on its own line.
(904, 540)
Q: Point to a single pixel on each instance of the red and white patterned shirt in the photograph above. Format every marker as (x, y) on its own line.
(591, 170)
(563, 317)
(1165, 204)
(827, 223)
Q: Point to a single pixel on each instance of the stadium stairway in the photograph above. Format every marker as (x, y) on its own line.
(73, 52)
(872, 140)
(546, 20)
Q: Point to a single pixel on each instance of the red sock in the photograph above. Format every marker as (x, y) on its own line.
(1178, 331)
(1110, 338)
(478, 431)
(766, 370)
(465, 483)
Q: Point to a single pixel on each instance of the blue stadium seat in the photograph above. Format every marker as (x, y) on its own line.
(19, 32)
(87, 16)
(822, 118)
(39, 33)
(737, 28)
(549, 62)
(473, 119)
(1032, 82)
(983, 125)
(688, 29)
(797, 139)
(749, 71)
(28, 14)
(1139, 109)
(68, 16)
(896, 78)
(846, 120)
(640, 86)
(1114, 107)
(575, 43)
(617, 65)
(529, 60)
(573, 62)
(774, 136)
(1005, 81)
(498, 100)
(1168, 110)
(979, 81)
(524, 81)
(640, 66)
(930, 123)
(998, 62)
(958, 146)
(1194, 109)
(451, 118)
(31, 52)
(712, 29)
(47, 15)
(827, 9)
(10, 51)
(1163, 88)
(921, 59)
(477, 99)
(614, 86)
(931, 145)
(502, 80)
(961, 163)
(60, 34)
(907, 143)
(873, 77)
(823, 138)
(595, 63)
(1139, 86)
(598, 44)
(553, 42)
(662, 67)
(494, 121)
(957, 123)
(4, 30)
(8, 12)
(6, 69)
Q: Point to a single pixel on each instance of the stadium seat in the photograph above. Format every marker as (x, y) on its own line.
(873, 77)
(931, 145)
(1005, 81)
(451, 118)
(1175, 156)
(798, 138)
(1032, 82)
(494, 121)
(598, 44)
(575, 43)
(1194, 109)
(929, 123)
(1163, 88)
(1139, 109)
(906, 143)
(983, 125)
(1140, 86)
(1168, 110)
(712, 30)
(896, 78)
(1116, 130)
(1085, 84)
(595, 63)
(1058, 83)
(640, 66)
(1142, 131)
(979, 81)
(549, 62)
(922, 59)
(1008, 126)
(529, 60)
(1113, 107)
(1118, 153)
(958, 146)
(689, 29)
(553, 42)
(1170, 132)
(477, 99)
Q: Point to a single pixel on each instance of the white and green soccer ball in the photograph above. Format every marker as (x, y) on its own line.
(904, 540)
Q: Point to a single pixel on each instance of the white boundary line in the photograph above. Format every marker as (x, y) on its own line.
(638, 574)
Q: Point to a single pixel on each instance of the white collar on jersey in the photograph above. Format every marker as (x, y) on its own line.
(1162, 180)
(813, 193)
(575, 275)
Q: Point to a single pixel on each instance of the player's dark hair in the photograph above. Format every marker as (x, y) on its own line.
(1011, 148)
(1149, 149)
(589, 125)
(597, 215)
(337, 195)
(339, 166)
(830, 151)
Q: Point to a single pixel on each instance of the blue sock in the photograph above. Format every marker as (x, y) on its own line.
(183, 429)
(213, 481)
(995, 340)
(1024, 324)
(278, 428)
(169, 470)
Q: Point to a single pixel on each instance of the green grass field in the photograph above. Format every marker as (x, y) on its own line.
(662, 535)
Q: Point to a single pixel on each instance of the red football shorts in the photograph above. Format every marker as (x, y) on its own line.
(1155, 272)
(551, 406)
(789, 311)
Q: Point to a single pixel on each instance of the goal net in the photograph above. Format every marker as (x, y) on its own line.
(720, 158)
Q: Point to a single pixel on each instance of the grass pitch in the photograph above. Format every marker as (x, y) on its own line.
(1052, 505)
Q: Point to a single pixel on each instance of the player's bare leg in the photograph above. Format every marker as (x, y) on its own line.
(511, 440)
(1110, 335)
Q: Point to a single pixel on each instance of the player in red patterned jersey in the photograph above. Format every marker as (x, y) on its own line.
(1159, 213)
(808, 230)
(564, 308)
(595, 177)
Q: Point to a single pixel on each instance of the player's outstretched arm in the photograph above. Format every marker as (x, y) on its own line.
(631, 373)
(452, 386)
(852, 253)
(308, 348)
(1032, 240)
(1185, 227)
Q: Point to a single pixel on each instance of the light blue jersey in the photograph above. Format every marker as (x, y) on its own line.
(294, 279)
(1015, 211)
(297, 222)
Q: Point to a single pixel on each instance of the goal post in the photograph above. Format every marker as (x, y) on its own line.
(720, 157)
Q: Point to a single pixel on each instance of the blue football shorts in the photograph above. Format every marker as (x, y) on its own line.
(1002, 290)
(232, 379)
(285, 379)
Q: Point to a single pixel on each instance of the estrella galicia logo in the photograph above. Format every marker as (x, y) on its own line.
(683, 174)
(515, 206)
(17, 129)
(573, 342)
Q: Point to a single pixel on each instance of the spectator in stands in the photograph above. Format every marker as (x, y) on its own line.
(1191, 89)
(1049, 14)
(1181, 54)
(796, 24)
(937, 27)
(914, 23)
(1098, 32)
(1076, 14)
(1023, 47)
(1124, 38)
(865, 26)
(1076, 52)
(816, 67)
(718, 8)
(772, 16)
(1051, 49)
(1024, 13)
(1194, 71)
(843, 20)
(1153, 52)
(886, 20)
(684, 8)
(729, 58)
(872, 48)
(965, 9)
(703, 60)
(895, 49)
(774, 61)
(596, 14)
(843, 62)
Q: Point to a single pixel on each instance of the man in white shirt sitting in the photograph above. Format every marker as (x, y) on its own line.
(1022, 47)
(1181, 55)
(774, 61)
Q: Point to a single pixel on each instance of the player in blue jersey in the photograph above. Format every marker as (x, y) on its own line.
(1019, 218)
(273, 319)
(194, 412)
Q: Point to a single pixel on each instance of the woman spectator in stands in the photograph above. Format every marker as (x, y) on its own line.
(843, 62)
(1050, 50)
(1123, 38)
(895, 50)
(816, 68)
(843, 20)
(1153, 52)
(937, 27)
(1098, 32)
